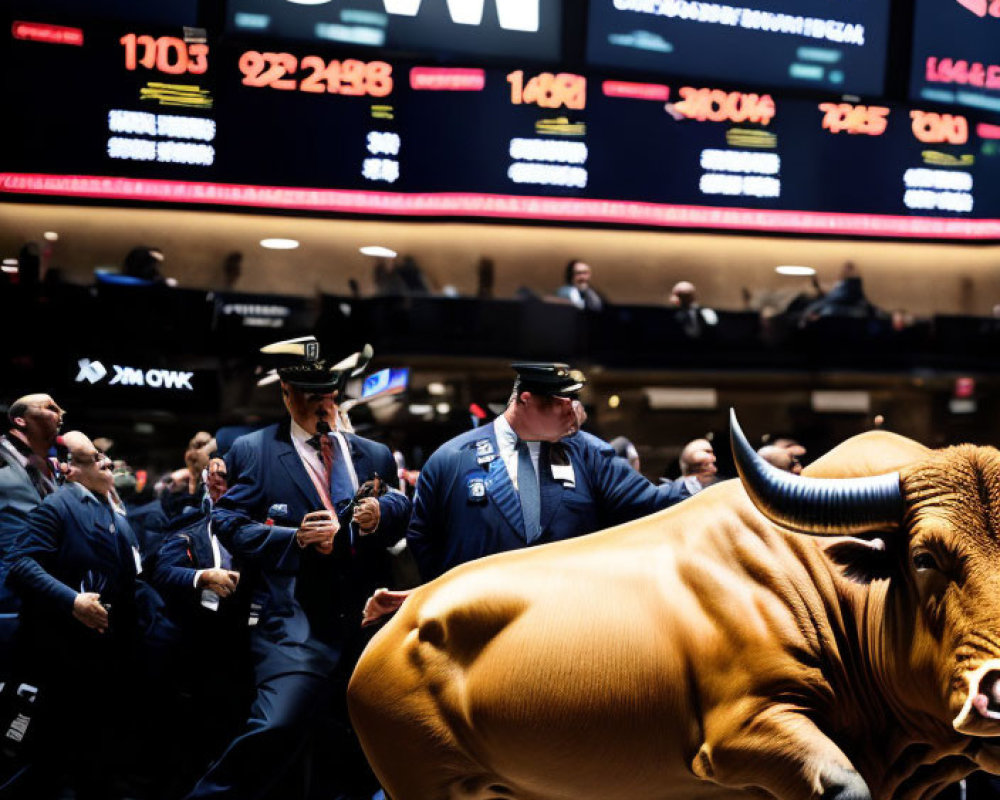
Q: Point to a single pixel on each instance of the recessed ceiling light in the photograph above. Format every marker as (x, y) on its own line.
(50, 236)
(279, 244)
(792, 269)
(378, 251)
(436, 388)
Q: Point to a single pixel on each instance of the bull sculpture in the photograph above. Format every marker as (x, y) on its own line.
(713, 650)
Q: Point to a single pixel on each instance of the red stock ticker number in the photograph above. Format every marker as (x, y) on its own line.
(548, 90)
(947, 70)
(348, 77)
(934, 128)
(719, 106)
(844, 117)
(166, 54)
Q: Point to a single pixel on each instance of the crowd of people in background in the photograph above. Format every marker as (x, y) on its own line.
(192, 636)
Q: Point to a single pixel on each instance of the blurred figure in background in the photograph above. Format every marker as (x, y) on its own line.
(625, 449)
(692, 318)
(698, 469)
(578, 289)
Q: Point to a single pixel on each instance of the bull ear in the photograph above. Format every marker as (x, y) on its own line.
(821, 506)
(861, 560)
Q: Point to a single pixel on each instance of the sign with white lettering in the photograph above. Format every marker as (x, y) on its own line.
(819, 44)
(93, 372)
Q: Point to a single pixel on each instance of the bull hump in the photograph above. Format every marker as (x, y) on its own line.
(463, 629)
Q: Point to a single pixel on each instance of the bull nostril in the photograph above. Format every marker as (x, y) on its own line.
(987, 700)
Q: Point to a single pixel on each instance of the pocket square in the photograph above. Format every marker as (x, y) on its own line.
(278, 510)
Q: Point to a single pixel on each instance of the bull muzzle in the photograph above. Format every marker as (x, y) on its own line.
(980, 714)
(823, 506)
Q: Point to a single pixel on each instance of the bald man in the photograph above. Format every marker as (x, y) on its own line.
(698, 468)
(75, 565)
(691, 317)
(26, 475)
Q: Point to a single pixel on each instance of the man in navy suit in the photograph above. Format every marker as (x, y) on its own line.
(311, 553)
(75, 565)
(529, 478)
(26, 476)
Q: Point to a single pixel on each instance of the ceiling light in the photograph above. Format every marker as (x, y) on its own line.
(614, 401)
(436, 388)
(279, 244)
(9, 268)
(444, 409)
(791, 269)
(378, 251)
(50, 236)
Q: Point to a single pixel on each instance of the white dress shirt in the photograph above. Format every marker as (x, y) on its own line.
(507, 447)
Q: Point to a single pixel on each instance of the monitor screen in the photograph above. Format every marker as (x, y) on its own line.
(529, 29)
(386, 381)
(956, 53)
(835, 45)
(159, 12)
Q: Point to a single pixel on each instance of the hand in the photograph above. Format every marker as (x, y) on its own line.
(318, 528)
(367, 514)
(221, 581)
(381, 603)
(87, 609)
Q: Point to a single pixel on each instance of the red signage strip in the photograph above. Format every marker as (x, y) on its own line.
(43, 32)
(987, 131)
(554, 209)
(636, 91)
(447, 79)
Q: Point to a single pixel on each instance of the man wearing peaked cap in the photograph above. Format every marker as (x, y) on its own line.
(529, 478)
(312, 551)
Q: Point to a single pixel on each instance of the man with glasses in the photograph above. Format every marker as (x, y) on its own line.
(529, 478)
(75, 565)
(311, 555)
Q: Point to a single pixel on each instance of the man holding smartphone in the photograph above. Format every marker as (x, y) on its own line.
(312, 554)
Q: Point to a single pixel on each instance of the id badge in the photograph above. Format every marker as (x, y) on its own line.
(476, 490)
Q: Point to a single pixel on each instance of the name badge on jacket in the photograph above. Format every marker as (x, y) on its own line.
(475, 486)
(485, 452)
(562, 467)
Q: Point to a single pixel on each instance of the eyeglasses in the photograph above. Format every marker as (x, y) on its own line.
(86, 459)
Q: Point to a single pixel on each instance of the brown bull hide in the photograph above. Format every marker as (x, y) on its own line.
(703, 652)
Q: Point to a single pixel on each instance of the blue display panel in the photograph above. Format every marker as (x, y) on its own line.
(386, 381)
(527, 29)
(956, 53)
(835, 45)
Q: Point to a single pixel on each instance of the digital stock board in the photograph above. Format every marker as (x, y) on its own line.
(171, 116)
(956, 53)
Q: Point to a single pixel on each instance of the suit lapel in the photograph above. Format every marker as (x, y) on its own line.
(290, 461)
(501, 490)
(362, 464)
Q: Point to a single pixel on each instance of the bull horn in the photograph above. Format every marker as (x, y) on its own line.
(822, 506)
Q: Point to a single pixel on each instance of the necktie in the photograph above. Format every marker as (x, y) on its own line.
(527, 487)
(337, 476)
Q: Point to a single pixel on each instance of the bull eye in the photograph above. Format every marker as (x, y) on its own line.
(923, 560)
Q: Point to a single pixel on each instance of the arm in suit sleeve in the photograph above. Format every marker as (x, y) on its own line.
(35, 548)
(174, 570)
(394, 506)
(624, 494)
(237, 516)
(426, 534)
